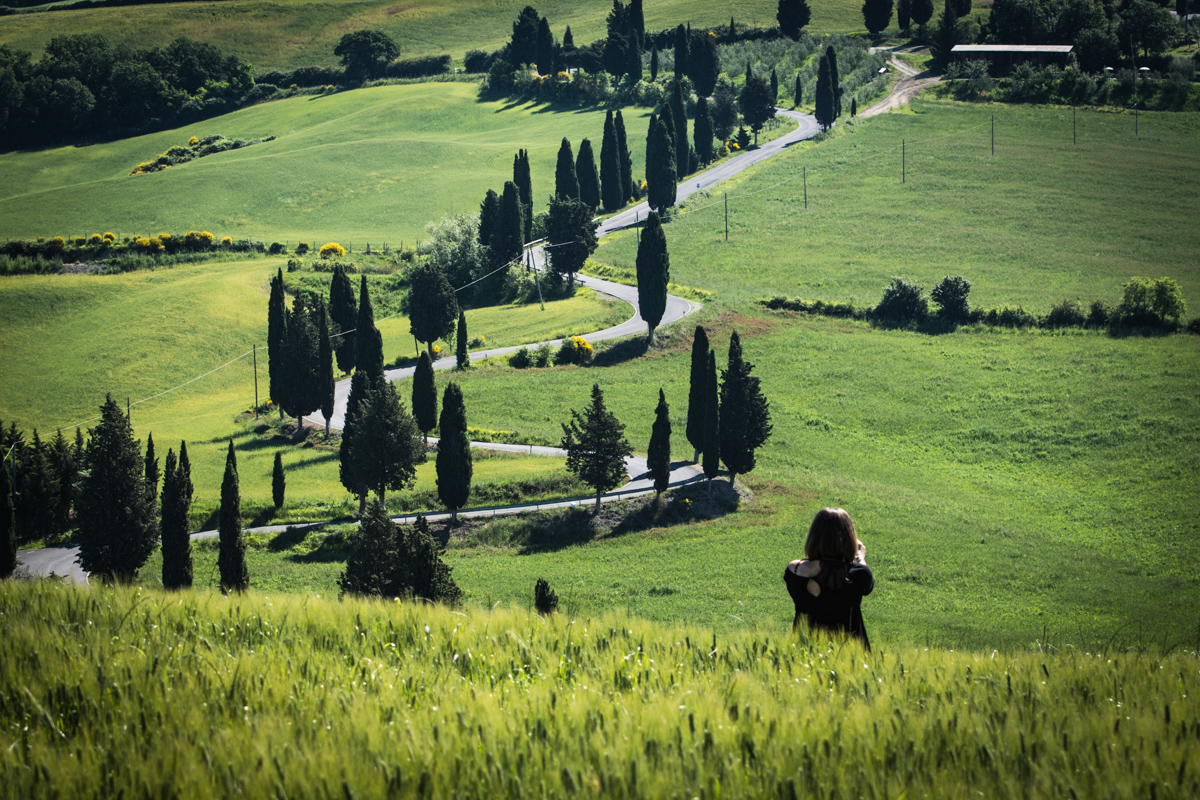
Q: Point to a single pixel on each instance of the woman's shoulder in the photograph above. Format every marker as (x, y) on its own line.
(804, 569)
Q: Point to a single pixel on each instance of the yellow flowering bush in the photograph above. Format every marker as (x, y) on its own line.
(332, 249)
(95, 239)
(574, 350)
(110, 236)
(192, 142)
(226, 241)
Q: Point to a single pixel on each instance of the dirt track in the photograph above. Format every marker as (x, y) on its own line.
(911, 82)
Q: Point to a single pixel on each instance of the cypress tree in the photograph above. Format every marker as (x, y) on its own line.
(904, 14)
(302, 358)
(824, 103)
(745, 413)
(117, 530)
(679, 118)
(853, 106)
(373, 560)
(922, 11)
(749, 72)
(8, 524)
(570, 236)
(589, 177)
(610, 167)
(653, 64)
(521, 177)
(653, 274)
(696, 392)
(617, 42)
(325, 363)
(651, 144)
(64, 461)
(186, 489)
(658, 456)
(834, 81)
(661, 178)
(681, 52)
(799, 93)
(774, 86)
(37, 492)
(876, 15)
(454, 465)
(489, 225)
(792, 15)
(424, 396)
(277, 342)
(231, 555)
(388, 446)
(637, 22)
(427, 576)
(703, 131)
(596, 446)
(704, 64)
(545, 48)
(625, 159)
(278, 481)
(461, 357)
(712, 423)
(176, 505)
(433, 305)
(343, 310)
(946, 34)
(633, 57)
(511, 241)
(152, 471)
(348, 472)
(566, 183)
(368, 342)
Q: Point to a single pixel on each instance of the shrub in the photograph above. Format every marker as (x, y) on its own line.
(109, 236)
(80, 241)
(476, 61)
(303, 248)
(545, 599)
(198, 240)
(541, 357)
(520, 359)
(1151, 302)
(226, 241)
(574, 350)
(276, 248)
(477, 341)
(1193, 325)
(903, 303)
(96, 239)
(294, 264)
(1065, 314)
(1098, 314)
(951, 296)
(332, 249)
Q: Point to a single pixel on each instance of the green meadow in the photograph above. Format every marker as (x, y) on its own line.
(286, 34)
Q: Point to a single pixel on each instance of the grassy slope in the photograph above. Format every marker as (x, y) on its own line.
(295, 33)
(199, 695)
(370, 165)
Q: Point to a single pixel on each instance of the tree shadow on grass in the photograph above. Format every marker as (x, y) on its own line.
(622, 351)
(332, 548)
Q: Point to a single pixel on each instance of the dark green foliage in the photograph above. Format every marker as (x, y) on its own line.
(633, 61)
(922, 11)
(798, 95)
(703, 131)
(545, 599)
(348, 470)
(116, 524)
(426, 575)
(277, 341)
(658, 456)
(679, 120)
(963, 7)
(903, 14)
(521, 177)
(625, 158)
(231, 557)
(570, 235)
(792, 15)
(745, 413)
(385, 560)
(343, 311)
(1150, 303)
(424, 396)
(368, 342)
(617, 43)
(65, 462)
(302, 360)
(454, 464)
(566, 182)
(951, 295)
(589, 176)
(877, 14)
(462, 359)
(654, 65)
(835, 82)
(545, 48)
(1066, 314)
(661, 178)
(432, 305)
(278, 481)
(366, 53)
(1149, 26)
(902, 304)
(37, 491)
(489, 226)
(704, 63)
(757, 104)
(386, 446)
(853, 106)
(681, 52)
(511, 241)
(824, 101)
(596, 446)
(324, 363)
(774, 86)
(711, 450)
(697, 392)
(176, 505)
(947, 34)
(522, 48)
(610, 167)
(653, 273)
(8, 524)
(637, 22)
(742, 138)
(152, 471)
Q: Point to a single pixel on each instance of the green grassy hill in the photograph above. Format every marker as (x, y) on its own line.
(199, 695)
(294, 33)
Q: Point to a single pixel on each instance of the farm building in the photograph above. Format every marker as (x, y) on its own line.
(1002, 58)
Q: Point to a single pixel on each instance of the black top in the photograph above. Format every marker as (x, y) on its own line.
(834, 609)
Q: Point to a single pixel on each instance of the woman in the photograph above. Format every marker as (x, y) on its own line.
(829, 585)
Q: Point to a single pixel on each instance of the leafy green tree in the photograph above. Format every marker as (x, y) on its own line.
(1151, 302)
(625, 158)
(658, 456)
(277, 342)
(681, 52)
(566, 182)
(325, 383)
(454, 464)
(366, 53)
(8, 524)
(374, 558)
(152, 471)
(711, 457)
(522, 48)
(176, 505)
(117, 530)
(524, 182)
(1148, 26)
(278, 481)
(610, 167)
(877, 14)
(424, 396)
(545, 48)
(343, 310)
(653, 274)
(368, 342)
(697, 392)
(824, 101)
(231, 554)
(596, 446)
(903, 303)
(432, 305)
(951, 295)
(462, 357)
(570, 235)
(387, 446)
(704, 63)
(661, 176)
(745, 413)
(703, 131)
(756, 104)
(589, 176)
(792, 15)
(679, 120)
(922, 11)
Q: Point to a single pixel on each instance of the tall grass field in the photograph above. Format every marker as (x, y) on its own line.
(135, 693)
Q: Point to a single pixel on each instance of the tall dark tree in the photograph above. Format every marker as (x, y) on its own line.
(176, 544)
(348, 470)
(745, 413)
(697, 392)
(278, 481)
(386, 455)
(903, 14)
(462, 356)
(571, 235)
(368, 342)
(824, 100)
(545, 48)
(277, 342)
(366, 53)
(793, 15)
(343, 311)
(522, 48)
(947, 34)
(426, 575)
(454, 465)
(610, 167)
(596, 446)
(8, 524)
(853, 106)
(589, 176)
(117, 530)
(653, 274)
(489, 227)
(37, 491)
(756, 104)
(152, 471)
(963, 7)
(566, 182)
(432, 305)
(798, 95)
(681, 52)
(637, 22)
(702, 130)
(374, 558)
(653, 64)
(679, 118)
(424, 396)
(834, 81)
(704, 63)
(302, 358)
(625, 158)
(922, 11)
(658, 456)
(65, 461)
(877, 15)
(231, 553)
(325, 363)
(568, 42)
(617, 42)
(633, 61)
(774, 86)
(711, 457)
(510, 241)
(661, 176)
(524, 182)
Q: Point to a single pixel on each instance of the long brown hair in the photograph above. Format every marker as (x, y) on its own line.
(832, 541)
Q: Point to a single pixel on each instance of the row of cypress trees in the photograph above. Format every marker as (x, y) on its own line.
(300, 354)
(42, 480)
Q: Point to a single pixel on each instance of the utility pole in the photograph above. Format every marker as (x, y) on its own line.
(127, 411)
(726, 215)
(993, 134)
(805, 173)
(903, 163)
(1074, 140)
(256, 381)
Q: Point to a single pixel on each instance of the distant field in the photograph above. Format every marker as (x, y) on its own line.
(285, 34)
(372, 165)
